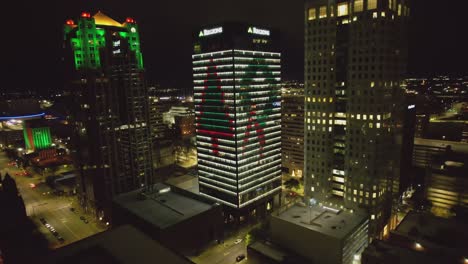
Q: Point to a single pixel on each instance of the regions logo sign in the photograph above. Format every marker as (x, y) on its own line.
(258, 31)
(212, 31)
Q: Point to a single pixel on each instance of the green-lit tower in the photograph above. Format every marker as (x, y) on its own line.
(237, 96)
(110, 107)
(37, 138)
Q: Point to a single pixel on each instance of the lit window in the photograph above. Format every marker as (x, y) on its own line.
(378, 125)
(312, 188)
(358, 116)
(372, 84)
(364, 117)
(382, 14)
(374, 195)
(375, 15)
(323, 12)
(399, 9)
(343, 9)
(308, 99)
(312, 13)
(372, 217)
(371, 4)
(371, 125)
(358, 5)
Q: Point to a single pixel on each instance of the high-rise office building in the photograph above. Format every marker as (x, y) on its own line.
(111, 115)
(292, 128)
(237, 96)
(355, 58)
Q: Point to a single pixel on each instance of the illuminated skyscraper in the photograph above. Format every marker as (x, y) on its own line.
(111, 115)
(355, 58)
(292, 128)
(237, 96)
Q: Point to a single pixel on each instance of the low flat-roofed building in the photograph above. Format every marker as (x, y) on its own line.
(382, 252)
(424, 149)
(446, 183)
(437, 236)
(321, 234)
(268, 253)
(122, 245)
(179, 219)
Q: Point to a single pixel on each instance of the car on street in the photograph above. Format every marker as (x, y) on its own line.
(85, 221)
(238, 241)
(61, 239)
(72, 209)
(240, 258)
(43, 221)
(82, 218)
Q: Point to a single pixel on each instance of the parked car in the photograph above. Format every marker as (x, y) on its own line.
(240, 258)
(43, 221)
(238, 241)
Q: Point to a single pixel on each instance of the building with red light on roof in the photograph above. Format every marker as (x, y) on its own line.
(111, 118)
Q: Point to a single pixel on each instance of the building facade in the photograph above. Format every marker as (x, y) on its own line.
(112, 139)
(237, 96)
(292, 128)
(355, 58)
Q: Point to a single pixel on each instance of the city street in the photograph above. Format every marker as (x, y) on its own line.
(226, 252)
(40, 202)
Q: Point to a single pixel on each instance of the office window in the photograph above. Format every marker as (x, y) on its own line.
(358, 5)
(371, 4)
(312, 13)
(343, 9)
(323, 12)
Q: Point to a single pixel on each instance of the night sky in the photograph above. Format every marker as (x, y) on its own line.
(33, 36)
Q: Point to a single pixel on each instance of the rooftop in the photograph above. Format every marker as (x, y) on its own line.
(434, 231)
(162, 208)
(102, 19)
(456, 146)
(121, 245)
(322, 219)
(395, 254)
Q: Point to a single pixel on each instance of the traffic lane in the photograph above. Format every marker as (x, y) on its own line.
(232, 253)
(74, 224)
(55, 221)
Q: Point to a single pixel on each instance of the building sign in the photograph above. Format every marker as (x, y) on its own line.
(212, 31)
(258, 31)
